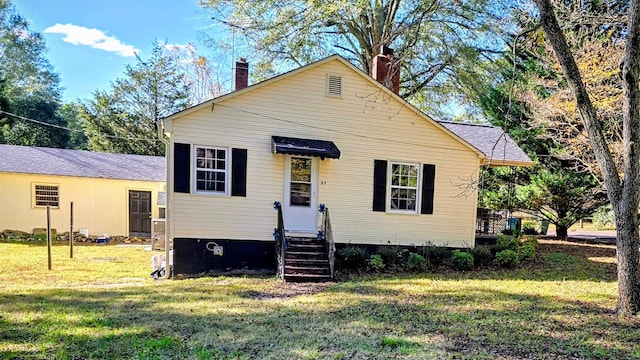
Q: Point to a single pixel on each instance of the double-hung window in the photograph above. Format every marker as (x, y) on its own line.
(404, 187)
(397, 186)
(211, 168)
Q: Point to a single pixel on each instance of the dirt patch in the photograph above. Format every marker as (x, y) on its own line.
(287, 290)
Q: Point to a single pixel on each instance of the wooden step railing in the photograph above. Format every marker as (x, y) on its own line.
(281, 241)
(327, 234)
(298, 250)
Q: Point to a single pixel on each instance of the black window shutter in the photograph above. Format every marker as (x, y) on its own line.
(428, 186)
(238, 172)
(379, 185)
(181, 167)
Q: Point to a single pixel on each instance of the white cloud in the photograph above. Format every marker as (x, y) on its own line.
(80, 35)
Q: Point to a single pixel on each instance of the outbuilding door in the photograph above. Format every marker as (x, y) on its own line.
(301, 194)
(140, 213)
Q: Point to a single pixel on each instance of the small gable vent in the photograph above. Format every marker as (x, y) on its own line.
(334, 85)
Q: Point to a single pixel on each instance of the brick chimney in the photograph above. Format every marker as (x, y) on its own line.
(242, 73)
(386, 69)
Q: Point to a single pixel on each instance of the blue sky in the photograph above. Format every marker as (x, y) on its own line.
(90, 42)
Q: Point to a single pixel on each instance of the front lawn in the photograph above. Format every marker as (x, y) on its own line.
(103, 305)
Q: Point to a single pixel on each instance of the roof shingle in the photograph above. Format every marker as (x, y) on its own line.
(64, 162)
(492, 141)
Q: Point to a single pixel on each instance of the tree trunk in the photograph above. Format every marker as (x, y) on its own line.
(628, 258)
(562, 231)
(626, 206)
(623, 193)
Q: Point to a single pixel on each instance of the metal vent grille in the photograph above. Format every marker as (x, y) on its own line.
(334, 85)
(46, 195)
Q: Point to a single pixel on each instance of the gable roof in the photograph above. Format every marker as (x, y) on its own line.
(365, 76)
(80, 163)
(497, 145)
(467, 138)
(260, 84)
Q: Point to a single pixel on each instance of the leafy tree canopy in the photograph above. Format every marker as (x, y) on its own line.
(529, 98)
(534, 86)
(436, 41)
(28, 85)
(124, 119)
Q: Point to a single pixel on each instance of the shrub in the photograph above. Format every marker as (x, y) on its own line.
(529, 229)
(434, 254)
(481, 255)
(526, 253)
(417, 262)
(393, 255)
(376, 262)
(507, 232)
(603, 219)
(527, 250)
(507, 258)
(461, 260)
(531, 241)
(506, 243)
(351, 257)
(39, 237)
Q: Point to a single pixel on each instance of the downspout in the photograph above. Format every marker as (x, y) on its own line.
(167, 224)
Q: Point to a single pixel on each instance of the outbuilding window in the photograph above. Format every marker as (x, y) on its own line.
(403, 194)
(211, 164)
(46, 195)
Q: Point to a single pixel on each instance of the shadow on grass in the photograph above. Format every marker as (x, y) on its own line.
(555, 261)
(560, 261)
(367, 317)
(360, 319)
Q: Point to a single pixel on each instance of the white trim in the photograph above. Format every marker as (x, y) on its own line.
(418, 187)
(301, 218)
(195, 169)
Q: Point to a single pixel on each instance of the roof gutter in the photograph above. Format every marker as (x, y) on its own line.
(167, 226)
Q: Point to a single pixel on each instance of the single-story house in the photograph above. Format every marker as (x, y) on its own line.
(115, 194)
(323, 136)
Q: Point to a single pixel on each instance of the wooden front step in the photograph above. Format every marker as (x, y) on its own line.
(306, 270)
(307, 278)
(306, 247)
(309, 262)
(306, 259)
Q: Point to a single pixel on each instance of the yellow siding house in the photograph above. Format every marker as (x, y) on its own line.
(324, 136)
(115, 194)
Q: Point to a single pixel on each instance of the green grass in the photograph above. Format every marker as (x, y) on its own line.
(103, 305)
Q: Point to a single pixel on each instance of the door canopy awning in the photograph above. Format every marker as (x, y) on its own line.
(307, 147)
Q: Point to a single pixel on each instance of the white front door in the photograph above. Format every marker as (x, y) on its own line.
(300, 193)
